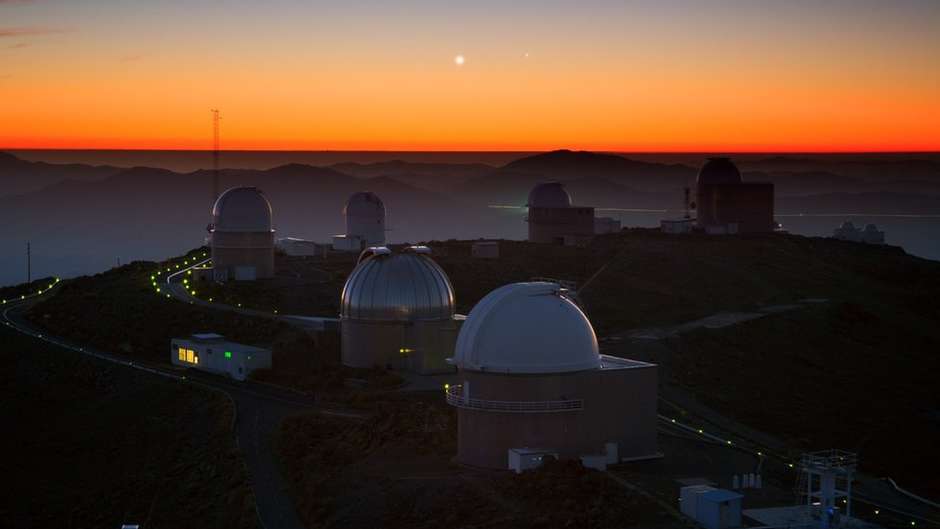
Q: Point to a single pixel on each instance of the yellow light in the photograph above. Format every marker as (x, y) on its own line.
(158, 290)
(877, 511)
(760, 453)
(446, 387)
(729, 443)
(700, 431)
(152, 278)
(791, 465)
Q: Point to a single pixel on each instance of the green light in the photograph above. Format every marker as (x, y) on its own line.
(228, 354)
(152, 278)
(158, 290)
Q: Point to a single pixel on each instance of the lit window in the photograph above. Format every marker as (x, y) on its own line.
(190, 356)
(182, 354)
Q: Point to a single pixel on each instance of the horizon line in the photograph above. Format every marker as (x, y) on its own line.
(731, 151)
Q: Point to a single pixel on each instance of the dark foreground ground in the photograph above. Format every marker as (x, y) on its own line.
(90, 444)
(395, 471)
(854, 369)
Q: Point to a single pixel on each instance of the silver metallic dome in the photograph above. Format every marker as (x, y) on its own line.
(403, 286)
(549, 195)
(242, 209)
(719, 170)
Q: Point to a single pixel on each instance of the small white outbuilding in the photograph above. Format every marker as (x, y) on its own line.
(213, 353)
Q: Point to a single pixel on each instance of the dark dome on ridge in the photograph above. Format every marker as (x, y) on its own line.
(549, 195)
(719, 170)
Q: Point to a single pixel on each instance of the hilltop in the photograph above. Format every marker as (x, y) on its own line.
(828, 372)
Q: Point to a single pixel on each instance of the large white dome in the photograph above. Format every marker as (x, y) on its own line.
(527, 328)
(242, 209)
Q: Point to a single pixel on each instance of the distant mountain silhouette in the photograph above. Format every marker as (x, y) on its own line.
(77, 227)
(81, 218)
(20, 176)
(516, 178)
(438, 177)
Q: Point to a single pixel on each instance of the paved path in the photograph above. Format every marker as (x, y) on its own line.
(259, 410)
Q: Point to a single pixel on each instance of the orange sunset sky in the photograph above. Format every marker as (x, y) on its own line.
(622, 76)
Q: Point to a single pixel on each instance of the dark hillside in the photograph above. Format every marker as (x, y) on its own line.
(91, 444)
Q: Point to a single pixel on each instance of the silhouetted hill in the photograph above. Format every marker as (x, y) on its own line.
(514, 180)
(147, 213)
(19, 176)
(438, 177)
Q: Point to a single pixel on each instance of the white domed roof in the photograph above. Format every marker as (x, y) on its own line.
(242, 209)
(527, 328)
(402, 286)
(549, 195)
(364, 203)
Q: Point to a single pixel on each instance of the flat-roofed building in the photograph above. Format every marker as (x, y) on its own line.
(213, 353)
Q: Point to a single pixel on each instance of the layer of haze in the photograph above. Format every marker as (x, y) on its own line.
(625, 76)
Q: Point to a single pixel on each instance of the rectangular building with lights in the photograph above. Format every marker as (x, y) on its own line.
(213, 353)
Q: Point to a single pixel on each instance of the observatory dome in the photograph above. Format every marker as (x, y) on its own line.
(719, 171)
(402, 286)
(365, 203)
(242, 209)
(549, 195)
(527, 328)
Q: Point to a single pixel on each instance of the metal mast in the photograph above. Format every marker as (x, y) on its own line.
(215, 155)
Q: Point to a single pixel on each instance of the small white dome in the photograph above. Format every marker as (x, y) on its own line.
(242, 209)
(549, 195)
(527, 328)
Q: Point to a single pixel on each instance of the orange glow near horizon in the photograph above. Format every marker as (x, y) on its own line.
(643, 79)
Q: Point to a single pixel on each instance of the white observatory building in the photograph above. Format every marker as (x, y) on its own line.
(241, 236)
(365, 223)
(531, 378)
(397, 311)
(552, 218)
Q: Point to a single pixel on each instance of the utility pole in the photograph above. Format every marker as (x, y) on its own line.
(215, 155)
(29, 265)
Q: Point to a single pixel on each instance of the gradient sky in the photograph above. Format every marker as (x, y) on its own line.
(702, 75)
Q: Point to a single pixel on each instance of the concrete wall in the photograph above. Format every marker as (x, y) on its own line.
(233, 249)
(749, 205)
(619, 407)
(420, 346)
(551, 225)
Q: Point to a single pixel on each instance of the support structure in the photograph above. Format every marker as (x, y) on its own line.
(828, 475)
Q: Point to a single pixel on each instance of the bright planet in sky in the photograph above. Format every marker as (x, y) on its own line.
(459, 60)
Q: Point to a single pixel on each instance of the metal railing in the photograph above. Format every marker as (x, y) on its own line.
(830, 459)
(455, 398)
